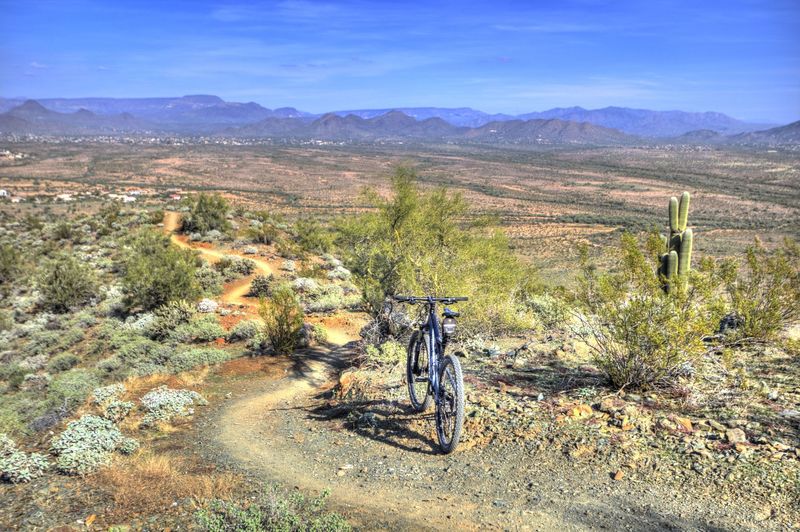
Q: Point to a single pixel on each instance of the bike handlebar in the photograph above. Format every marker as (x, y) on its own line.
(427, 299)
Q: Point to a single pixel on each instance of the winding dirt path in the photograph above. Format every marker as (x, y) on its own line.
(234, 293)
(282, 429)
(278, 427)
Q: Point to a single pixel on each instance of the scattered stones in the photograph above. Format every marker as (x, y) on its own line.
(736, 436)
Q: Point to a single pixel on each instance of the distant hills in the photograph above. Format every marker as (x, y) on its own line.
(210, 115)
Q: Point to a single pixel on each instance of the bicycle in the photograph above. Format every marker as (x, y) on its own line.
(436, 378)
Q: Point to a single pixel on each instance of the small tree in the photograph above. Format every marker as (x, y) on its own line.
(157, 272)
(66, 282)
(206, 212)
(283, 319)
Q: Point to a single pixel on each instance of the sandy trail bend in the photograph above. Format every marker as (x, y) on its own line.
(234, 293)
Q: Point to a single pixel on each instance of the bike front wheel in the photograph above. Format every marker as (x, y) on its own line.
(417, 368)
(450, 404)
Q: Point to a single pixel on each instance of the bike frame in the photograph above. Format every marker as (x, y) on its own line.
(434, 339)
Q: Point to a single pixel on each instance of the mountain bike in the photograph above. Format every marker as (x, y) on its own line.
(433, 376)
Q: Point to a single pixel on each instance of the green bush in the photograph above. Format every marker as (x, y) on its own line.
(260, 286)
(244, 330)
(157, 272)
(312, 236)
(62, 362)
(550, 312)
(10, 267)
(232, 267)
(272, 510)
(66, 282)
(163, 404)
(419, 243)
(17, 466)
(85, 445)
(388, 353)
(170, 316)
(283, 319)
(201, 328)
(192, 358)
(263, 233)
(765, 293)
(207, 212)
(640, 335)
(72, 387)
(209, 280)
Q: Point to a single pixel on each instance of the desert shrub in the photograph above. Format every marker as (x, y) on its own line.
(201, 328)
(106, 394)
(320, 333)
(764, 293)
(244, 330)
(209, 280)
(388, 353)
(155, 217)
(339, 273)
(260, 286)
(549, 311)
(418, 242)
(13, 374)
(163, 404)
(62, 362)
(17, 466)
(170, 316)
(192, 358)
(640, 335)
(65, 283)
(127, 445)
(312, 236)
(85, 445)
(331, 297)
(41, 342)
(283, 319)
(72, 387)
(272, 510)
(157, 272)
(263, 233)
(63, 231)
(117, 410)
(232, 267)
(207, 212)
(10, 267)
(305, 285)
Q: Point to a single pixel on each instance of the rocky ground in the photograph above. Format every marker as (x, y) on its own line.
(615, 461)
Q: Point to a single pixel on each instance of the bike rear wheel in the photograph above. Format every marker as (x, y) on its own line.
(417, 367)
(450, 404)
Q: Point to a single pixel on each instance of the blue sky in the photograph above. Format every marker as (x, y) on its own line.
(737, 57)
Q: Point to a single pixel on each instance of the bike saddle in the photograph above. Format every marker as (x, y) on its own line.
(451, 313)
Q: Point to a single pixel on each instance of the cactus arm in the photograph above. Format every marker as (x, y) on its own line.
(672, 264)
(673, 214)
(685, 262)
(683, 212)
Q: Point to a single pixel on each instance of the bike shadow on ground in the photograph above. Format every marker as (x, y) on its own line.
(388, 423)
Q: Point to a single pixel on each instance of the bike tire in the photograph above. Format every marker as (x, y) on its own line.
(420, 404)
(451, 381)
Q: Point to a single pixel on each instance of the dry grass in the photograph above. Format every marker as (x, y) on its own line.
(147, 483)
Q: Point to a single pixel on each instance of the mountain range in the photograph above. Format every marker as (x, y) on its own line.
(210, 115)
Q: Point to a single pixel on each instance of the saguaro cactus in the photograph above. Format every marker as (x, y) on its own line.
(677, 259)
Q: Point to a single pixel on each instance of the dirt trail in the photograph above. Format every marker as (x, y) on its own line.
(234, 293)
(277, 427)
(392, 477)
